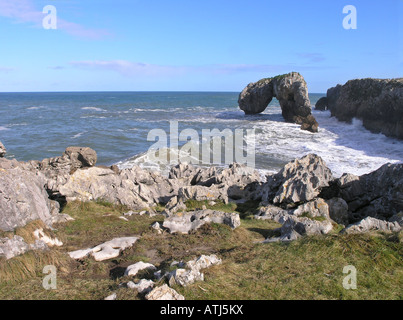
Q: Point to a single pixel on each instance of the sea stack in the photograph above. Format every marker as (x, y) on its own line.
(291, 91)
(377, 102)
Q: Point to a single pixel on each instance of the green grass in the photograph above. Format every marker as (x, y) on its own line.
(310, 268)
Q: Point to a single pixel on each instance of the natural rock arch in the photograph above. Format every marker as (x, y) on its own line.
(290, 90)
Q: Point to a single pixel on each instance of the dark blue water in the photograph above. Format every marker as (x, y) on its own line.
(116, 125)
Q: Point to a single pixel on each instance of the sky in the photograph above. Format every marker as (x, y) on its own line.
(188, 45)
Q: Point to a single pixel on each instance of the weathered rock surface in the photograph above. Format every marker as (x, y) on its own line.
(372, 224)
(105, 251)
(377, 102)
(144, 286)
(23, 197)
(292, 92)
(378, 194)
(186, 222)
(191, 273)
(10, 248)
(164, 293)
(133, 269)
(299, 181)
(135, 188)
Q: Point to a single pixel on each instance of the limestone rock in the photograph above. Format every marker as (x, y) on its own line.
(23, 197)
(133, 269)
(186, 222)
(112, 297)
(81, 157)
(185, 277)
(378, 194)
(203, 262)
(39, 234)
(105, 251)
(291, 91)
(300, 180)
(164, 293)
(377, 102)
(372, 224)
(143, 286)
(273, 213)
(10, 248)
(315, 208)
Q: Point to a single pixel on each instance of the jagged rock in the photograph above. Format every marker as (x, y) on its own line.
(184, 277)
(295, 227)
(291, 91)
(200, 193)
(23, 197)
(164, 293)
(203, 262)
(186, 222)
(314, 208)
(173, 206)
(273, 213)
(372, 224)
(378, 194)
(133, 269)
(105, 251)
(377, 102)
(191, 273)
(10, 248)
(135, 188)
(143, 286)
(299, 181)
(81, 157)
(3, 150)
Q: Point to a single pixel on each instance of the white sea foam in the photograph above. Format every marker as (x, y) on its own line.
(93, 108)
(78, 135)
(344, 147)
(3, 128)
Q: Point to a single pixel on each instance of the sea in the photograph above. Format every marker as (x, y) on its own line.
(34, 126)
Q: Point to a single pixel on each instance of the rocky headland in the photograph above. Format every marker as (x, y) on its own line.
(377, 102)
(290, 89)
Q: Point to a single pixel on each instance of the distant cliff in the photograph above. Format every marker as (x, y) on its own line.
(377, 102)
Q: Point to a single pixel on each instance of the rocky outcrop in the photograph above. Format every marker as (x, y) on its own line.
(291, 91)
(377, 102)
(23, 197)
(105, 251)
(299, 181)
(186, 222)
(10, 248)
(378, 194)
(372, 224)
(192, 271)
(133, 269)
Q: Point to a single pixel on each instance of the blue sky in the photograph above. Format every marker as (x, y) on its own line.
(187, 45)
